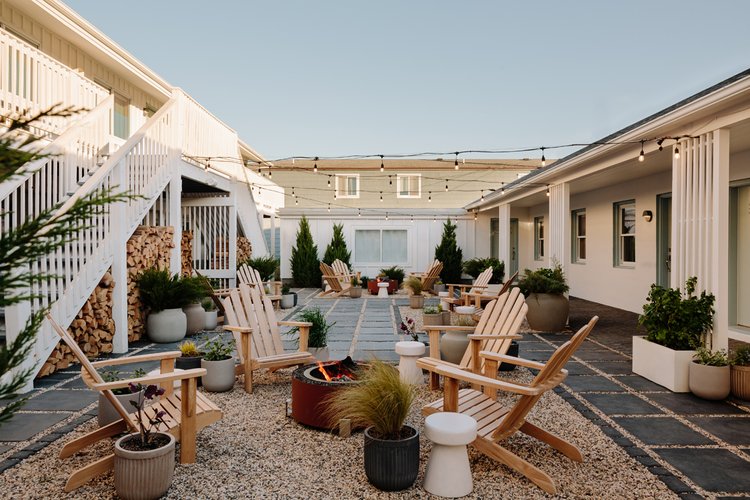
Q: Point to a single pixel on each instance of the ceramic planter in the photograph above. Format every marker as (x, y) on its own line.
(438, 288)
(219, 375)
(391, 465)
(166, 326)
(432, 319)
(211, 320)
(662, 365)
(453, 346)
(416, 301)
(355, 292)
(547, 312)
(196, 318)
(188, 363)
(740, 382)
(107, 413)
(143, 475)
(287, 301)
(709, 382)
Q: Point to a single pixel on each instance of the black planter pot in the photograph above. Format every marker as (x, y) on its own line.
(188, 363)
(295, 298)
(392, 465)
(512, 351)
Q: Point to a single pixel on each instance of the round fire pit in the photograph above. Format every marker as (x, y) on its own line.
(310, 389)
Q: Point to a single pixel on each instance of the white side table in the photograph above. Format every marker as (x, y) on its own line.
(448, 472)
(383, 289)
(410, 351)
(443, 303)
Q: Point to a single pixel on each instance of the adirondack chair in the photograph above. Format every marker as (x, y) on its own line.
(187, 411)
(335, 285)
(478, 286)
(250, 276)
(251, 318)
(480, 298)
(341, 269)
(494, 333)
(430, 276)
(496, 423)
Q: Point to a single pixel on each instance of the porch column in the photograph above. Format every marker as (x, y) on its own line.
(232, 219)
(559, 224)
(175, 220)
(118, 218)
(719, 282)
(503, 229)
(272, 250)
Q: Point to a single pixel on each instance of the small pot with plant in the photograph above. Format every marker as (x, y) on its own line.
(708, 377)
(190, 357)
(380, 403)
(740, 372)
(194, 311)
(219, 365)
(144, 461)
(164, 296)
(106, 412)
(416, 299)
(438, 287)
(394, 274)
(431, 315)
(287, 299)
(211, 318)
(355, 291)
(545, 290)
(317, 341)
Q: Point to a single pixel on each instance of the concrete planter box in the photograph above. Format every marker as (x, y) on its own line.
(662, 365)
(432, 319)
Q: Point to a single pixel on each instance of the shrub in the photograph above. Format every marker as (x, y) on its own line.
(266, 266)
(354, 281)
(365, 280)
(705, 356)
(336, 249)
(431, 309)
(304, 260)
(208, 304)
(159, 290)
(394, 273)
(543, 280)
(474, 267)
(414, 284)
(189, 349)
(741, 356)
(449, 254)
(285, 290)
(319, 329)
(218, 349)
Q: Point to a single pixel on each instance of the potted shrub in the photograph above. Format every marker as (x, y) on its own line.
(355, 291)
(146, 455)
(431, 315)
(675, 327)
(395, 274)
(211, 317)
(416, 299)
(317, 341)
(474, 267)
(381, 403)
(739, 373)
(708, 377)
(190, 357)
(544, 289)
(287, 299)
(165, 296)
(219, 365)
(365, 282)
(106, 412)
(438, 287)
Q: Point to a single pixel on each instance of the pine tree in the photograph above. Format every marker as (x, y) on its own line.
(305, 264)
(336, 249)
(449, 254)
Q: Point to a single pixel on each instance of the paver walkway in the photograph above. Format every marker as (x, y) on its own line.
(698, 448)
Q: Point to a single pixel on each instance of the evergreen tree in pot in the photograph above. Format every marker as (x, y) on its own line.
(544, 289)
(287, 298)
(449, 253)
(380, 403)
(304, 260)
(219, 365)
(337, 249)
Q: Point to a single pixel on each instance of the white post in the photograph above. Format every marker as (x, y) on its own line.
(559, 224)
(719, 282)
(272, 250)
(233, 240)
(503, 229)
(118, 221)
(15, 320)
(175, 220)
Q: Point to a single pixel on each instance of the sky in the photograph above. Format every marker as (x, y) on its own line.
(334, 78)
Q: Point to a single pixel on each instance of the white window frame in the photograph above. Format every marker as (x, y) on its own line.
(381, 262)
(620, 237)
(338, 190)
(539, 241)
(575, 254)
(405, 176)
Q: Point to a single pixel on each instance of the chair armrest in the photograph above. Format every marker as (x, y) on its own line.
(480, 336)
(294, 323)
(512, 360)
(450, 328)
(473, 378)
(153, 379)
(238, 329)
(157, 356)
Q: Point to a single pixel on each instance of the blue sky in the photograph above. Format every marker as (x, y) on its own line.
(391, 77)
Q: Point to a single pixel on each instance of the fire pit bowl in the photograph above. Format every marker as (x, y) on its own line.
(310, 388)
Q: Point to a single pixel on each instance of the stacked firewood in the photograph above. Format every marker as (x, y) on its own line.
(186, 253)
(93, 328)
(244, 249)
(150, 246)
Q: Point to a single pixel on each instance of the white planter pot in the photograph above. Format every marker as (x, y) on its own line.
(219, 375)
(166, 326)
(709, 382)
(211, 320)
(196, 318)
(287, 301)
(662, 365)
(107, 413)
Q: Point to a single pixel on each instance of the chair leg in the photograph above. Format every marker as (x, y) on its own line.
(518, 464)
(113, 429)
(188, 420)
(564, 447)
(85, 474)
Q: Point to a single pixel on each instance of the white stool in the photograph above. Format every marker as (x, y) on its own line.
(383, 289)
(448, 473)
(407, 366)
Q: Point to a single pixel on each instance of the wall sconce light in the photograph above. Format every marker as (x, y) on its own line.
(648, 215)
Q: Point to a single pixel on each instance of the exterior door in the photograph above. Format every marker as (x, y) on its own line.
(513, 267)
(664, 239)
(743, 250)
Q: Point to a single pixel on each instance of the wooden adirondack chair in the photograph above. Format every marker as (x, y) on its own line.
(188, 411)
(494, 333)
(336, 286)
(341, 269)
(250, 276)
(252, 320)
(478, 286)
(430, 276)
(496, 423)
(480, 298)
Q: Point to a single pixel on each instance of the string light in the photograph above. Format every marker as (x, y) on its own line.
(293, 195)
(329, 208)
(412, 217)
(475, 215)
(381, 196)
(455, 164)
(676, 152)
(390, 181)
(548, 190)
(641, 156)
(502, 189)
(386, 216)
(434, 218)
(359, 212)
(446, 185)
(296, 201)
(544, 160)
(329, 181)
(482, 194)
(382, 167)
(315, 166)
(270, 174)
(429, 199)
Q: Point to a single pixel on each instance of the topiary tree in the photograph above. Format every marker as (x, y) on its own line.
(305, 264)
(449, 254)
(336, 249)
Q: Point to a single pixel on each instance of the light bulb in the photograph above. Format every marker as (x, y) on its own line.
(381, 196)
(641, 156)
(296, 201)
(386, 216)
(676, 153)
(329, 181)
(390, 181)
(329, 208)
(315, 168)
(412, 218)
(544, 160)
(483, 195)
(475, 215)
(269, 173)
(434, 218)
(430, 197)
(547, 190)
(359, 212)
(446, 185)
(382, 167)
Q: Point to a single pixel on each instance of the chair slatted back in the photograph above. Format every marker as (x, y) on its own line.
(246, 307)
(502, 316)
(482, 281)
(431, 275)
(331, 277)
(547, 378)
(88, 371)
(342, 271)
(508, 284)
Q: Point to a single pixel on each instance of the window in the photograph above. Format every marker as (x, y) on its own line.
(624, 233)
(409, 186)
(578, 225)
(347, 186)
(538, 238)
(380, 246)
(121, 123)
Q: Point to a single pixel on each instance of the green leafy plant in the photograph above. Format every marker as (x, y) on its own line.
(449, 253)
(336, 249)
(677, 322)
(304, 260)
(208, 304)
(266, 266)
(354, 281)
(381, 400)
(217, 349)
(159, 290)
(189, 349)
(285, 290)
(365, 280)
(319, 329)
(431, 309)
(741, 356)
(543, 280)
(705, 356)
(394, 273)
(474, 267)
(414, 284)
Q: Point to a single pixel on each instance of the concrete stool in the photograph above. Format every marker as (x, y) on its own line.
(444, 303)
(383, 289)
(407, 366)
(448, 473)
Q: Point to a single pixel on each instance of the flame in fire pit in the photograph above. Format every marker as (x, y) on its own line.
(322, 370)
(336, 371)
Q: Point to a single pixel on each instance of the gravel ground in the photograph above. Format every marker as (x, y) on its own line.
(256, 452)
